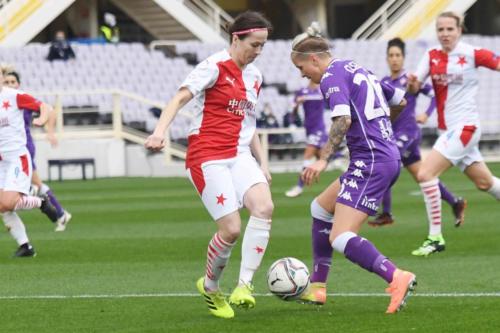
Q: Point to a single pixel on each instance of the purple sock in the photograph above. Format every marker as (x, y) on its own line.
(57, 205)
(362, 252)
(322, 250)
(387, 201)
(447, 195)
(300, 183)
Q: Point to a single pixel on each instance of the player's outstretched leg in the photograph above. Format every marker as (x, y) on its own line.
(17, 230)
(63, 217)
(362, 252)
(218, 254)
(322, 255)
(254, 245)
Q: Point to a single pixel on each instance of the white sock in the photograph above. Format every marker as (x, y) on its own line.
(218, 254)
(320, 213)
(28, 202)
(340, 242)
(16, 227)
(495, 188)
(253, 247)
(432, 198)
(43, 189)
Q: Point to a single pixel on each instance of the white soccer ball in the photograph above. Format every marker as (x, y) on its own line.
(287, 278)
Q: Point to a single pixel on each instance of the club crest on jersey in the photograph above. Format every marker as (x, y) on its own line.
(241, 107)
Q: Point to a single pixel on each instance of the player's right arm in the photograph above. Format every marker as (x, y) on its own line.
(202, 77)
(156, 141)
(415, 79)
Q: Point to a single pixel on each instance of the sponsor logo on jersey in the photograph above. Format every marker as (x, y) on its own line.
(241, 107)
(4, 122)
(446, 79)
(331, 90)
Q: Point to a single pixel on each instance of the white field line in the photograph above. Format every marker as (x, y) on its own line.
(162, 295)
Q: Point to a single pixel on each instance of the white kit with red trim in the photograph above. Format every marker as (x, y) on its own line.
(224, 108)
(454, 77)
(12, 129)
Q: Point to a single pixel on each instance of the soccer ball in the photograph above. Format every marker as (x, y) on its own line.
(287, 278)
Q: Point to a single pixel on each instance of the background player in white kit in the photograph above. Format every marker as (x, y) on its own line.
(15, 164)
(221, 159)
(453, 71)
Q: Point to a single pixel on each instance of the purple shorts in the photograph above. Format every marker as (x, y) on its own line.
(363, 185)
(317, 139)
(409, 147)
(30, 145)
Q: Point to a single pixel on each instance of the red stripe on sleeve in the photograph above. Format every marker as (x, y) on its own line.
(27, 102)
(486, 58)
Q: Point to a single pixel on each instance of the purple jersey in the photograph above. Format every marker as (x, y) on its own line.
(314, 107)
(406, 122)
(351, 90)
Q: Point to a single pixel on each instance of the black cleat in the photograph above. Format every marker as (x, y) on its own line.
(25, 250)
(48, 208)
(459, 211)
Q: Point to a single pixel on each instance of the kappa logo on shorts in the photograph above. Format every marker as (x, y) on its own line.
(351, 183)
(344, 194)
(357, 173)
(369, 203)
(360, 164)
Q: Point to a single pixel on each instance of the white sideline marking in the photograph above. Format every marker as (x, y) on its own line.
(160, 295)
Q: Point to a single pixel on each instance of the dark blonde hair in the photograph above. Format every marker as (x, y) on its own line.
(310, 41)
(458, 18)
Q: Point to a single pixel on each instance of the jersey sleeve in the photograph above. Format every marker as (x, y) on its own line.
(336, 92)
(423, 67)
(203, 76)
(392, 95)
(427, 90)
(486, 58)
(27, 102)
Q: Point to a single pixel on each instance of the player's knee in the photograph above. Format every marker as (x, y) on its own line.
(423, 176)
(264, 210)
(483, 184)
(231, 233)
(6, 205)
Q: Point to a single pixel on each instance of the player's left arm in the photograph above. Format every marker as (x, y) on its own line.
(257, 152)
(487, 58)
(46, 113)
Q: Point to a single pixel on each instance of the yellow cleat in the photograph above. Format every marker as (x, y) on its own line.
(314, 294)
(216, 301)
(242, 296)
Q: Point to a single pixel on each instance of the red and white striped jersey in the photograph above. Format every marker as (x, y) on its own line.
(454, 77)
(224, 108)
(12, 128)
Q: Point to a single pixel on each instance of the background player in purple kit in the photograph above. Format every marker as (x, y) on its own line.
(12, 80)
(312, 102)
(408, 135)
(359, 112)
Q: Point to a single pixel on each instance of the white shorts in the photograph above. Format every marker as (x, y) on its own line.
(222, 184)
(16, 171)
(460, 145)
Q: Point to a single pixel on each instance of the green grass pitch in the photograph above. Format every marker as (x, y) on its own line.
(130, 257)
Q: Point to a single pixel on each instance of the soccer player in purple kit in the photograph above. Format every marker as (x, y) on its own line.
(359, 112)
(312, 101)
(12, 80)
(408, 135)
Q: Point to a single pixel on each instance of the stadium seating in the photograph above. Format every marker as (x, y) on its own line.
(133, 68)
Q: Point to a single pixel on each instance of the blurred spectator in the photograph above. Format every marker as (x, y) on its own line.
(109, 29)
(267, 119)
(60, 48)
